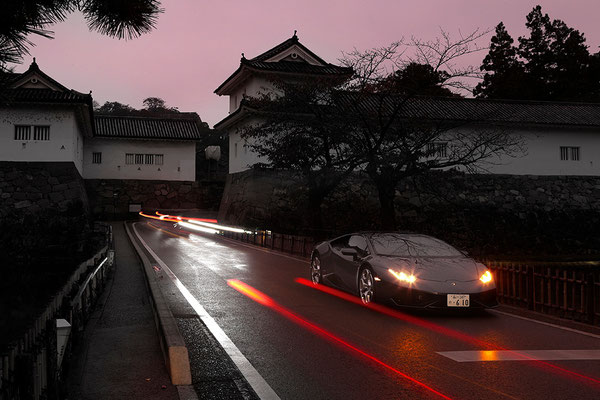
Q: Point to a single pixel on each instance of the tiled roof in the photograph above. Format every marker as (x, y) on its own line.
(177, 127)
(43, 96)
(297, 67)
(458, 110)
(283, 46)
(259, 64)
(479, 110)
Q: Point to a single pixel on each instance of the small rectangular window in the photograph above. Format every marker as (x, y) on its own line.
(569, 153)
(437, 149)
(22, 132)
(235, 150)
(41, 132)
(129, 158)
(159, 159)
(96, 158)
(139, 159)
(575, 153)
(149, 159)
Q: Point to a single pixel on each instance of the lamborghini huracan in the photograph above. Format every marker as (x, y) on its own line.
(406, 269)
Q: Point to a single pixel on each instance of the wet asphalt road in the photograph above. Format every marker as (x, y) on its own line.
(300, 363)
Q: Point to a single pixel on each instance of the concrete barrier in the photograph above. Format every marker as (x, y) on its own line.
(172, 344)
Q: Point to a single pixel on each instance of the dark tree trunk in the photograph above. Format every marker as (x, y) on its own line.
(387, 193)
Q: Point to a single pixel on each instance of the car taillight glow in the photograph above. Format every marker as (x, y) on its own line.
(403, 277)
(486, 277)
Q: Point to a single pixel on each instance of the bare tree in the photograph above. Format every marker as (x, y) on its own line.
(303, 132)
(378, 122)
(401, 134)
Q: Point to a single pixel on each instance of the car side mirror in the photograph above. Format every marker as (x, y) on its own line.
(349, 251)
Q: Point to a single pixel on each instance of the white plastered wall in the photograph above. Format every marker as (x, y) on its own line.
(542, 157)
(66, 139)
(179, 162)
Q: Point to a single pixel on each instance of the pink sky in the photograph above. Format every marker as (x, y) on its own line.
(197, 44)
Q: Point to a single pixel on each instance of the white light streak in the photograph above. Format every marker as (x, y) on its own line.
(219, 227)
(197, 228)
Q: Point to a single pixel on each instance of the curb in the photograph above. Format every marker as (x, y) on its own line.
(172, 344)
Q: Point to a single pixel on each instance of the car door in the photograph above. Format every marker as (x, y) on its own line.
(337, 260)
(348, 267)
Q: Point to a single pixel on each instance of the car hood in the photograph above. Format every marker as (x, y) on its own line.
(440, 269)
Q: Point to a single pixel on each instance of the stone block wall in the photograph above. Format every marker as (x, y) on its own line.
(30, 187)
(111, 198)
(483, 211)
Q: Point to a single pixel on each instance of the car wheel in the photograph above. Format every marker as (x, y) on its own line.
(366, 285)
(316, 275)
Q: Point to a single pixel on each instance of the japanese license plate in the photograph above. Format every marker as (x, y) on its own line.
(458, 300)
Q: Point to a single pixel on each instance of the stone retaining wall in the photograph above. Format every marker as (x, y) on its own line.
(111, 198)
(494, 212)
(33, 186)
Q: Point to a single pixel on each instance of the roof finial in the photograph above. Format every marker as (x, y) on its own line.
(34, 60)
(295, 31)
(243, 56)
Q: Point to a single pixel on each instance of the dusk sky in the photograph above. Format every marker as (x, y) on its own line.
(197, 44)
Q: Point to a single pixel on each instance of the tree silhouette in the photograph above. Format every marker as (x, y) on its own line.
(551, 63)
(115, 18)
(504, 72)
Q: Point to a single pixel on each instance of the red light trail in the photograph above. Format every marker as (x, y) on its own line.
(179, 218)
(440, 329)
(265, 300)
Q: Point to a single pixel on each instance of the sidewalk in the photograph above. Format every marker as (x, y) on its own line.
(120, 356)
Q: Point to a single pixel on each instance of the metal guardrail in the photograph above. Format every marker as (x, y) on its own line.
(565, 289)
(30, 368)
(295, 245)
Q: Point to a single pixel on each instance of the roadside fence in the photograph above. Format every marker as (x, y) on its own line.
(565, 289)
(32, 367)
(295, 245)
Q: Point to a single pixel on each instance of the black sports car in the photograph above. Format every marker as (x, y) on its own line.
(408, 269)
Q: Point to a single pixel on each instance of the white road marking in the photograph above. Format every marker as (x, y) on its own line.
(520, 355)
(260, 386)
(564, 328)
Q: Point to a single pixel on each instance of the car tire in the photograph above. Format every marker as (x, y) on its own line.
(366, 285)
(316, 272)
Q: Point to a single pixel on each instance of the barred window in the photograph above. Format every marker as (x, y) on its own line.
(41, 132)
(575, 153)
(569, 153)
(149, 159)
(159, 159)
(22, 132)
(129, 158)
(437, 149)
(139, 159)
(96, 158)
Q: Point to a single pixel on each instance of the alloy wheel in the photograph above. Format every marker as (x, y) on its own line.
(366, 286)
(315, 270)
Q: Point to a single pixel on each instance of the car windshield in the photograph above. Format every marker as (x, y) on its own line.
(394, 244)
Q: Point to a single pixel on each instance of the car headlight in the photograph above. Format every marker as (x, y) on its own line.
(403, 276)
(486, 277)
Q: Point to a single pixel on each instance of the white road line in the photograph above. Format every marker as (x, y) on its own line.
(564, 328)
(520, 355)
(260, 386)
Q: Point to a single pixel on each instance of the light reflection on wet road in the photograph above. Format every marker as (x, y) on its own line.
(299, 363)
